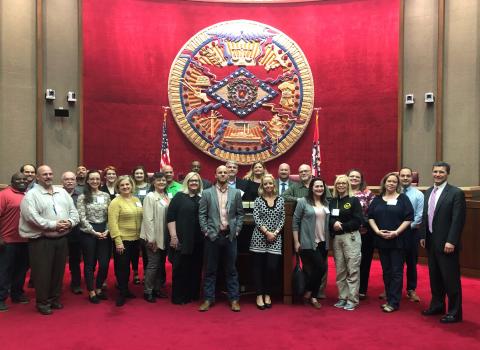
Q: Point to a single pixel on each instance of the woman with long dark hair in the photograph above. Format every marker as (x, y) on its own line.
(95, 240)
(311, 237)
(390, 215)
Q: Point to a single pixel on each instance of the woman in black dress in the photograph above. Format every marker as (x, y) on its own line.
(390, 215)
(186, 241)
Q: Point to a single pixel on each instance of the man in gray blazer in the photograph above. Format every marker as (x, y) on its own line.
(221, 219)
(444, 213)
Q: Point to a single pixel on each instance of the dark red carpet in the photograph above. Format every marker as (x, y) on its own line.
(139, 325)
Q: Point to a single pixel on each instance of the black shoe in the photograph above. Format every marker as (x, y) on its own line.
(21, 299)
(431, 312)
(261, 307)
(120, 301)
(3, 306)
(56, 305)
(268, 305)
(44, 309)
(149, 297)
(136, 279)
(102, 296)
(129, 295)
(160, 294)
(76, 290)
(450, 319)
(94, 299)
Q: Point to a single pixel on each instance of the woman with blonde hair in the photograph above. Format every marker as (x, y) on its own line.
(124, 221)
(186, 240)
(254, 177)
(345, 220)
(266, 241)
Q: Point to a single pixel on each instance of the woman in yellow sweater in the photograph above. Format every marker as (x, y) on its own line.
(124, 220)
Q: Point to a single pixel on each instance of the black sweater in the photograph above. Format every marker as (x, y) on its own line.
(350, 214)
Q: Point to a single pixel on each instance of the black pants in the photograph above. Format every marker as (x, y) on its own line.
(187, 275)
(314, 262)
(411, 258)
(48, 257)
(122, 264)
(444, 271)
(13, 268)
(366, 262)
(74, 256)
(95, 250)
(392, 266)
(265, 270)
(136, 257)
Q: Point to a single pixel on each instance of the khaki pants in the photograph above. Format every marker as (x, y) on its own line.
(347, 254)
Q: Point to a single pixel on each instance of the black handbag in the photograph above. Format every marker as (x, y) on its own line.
(298, 278)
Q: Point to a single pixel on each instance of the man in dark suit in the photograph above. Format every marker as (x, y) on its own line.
(283, 182)
(221, 218)
(443, 217)
(233, 180)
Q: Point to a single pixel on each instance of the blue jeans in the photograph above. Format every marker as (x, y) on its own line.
(13, 267)
(225, 249)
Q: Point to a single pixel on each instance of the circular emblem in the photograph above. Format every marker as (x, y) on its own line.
(347, 206)
(241, 91)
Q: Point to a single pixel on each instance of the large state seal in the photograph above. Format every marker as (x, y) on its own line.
(242, 91)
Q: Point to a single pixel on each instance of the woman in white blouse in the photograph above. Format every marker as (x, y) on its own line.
(154, 229)
(96, 243)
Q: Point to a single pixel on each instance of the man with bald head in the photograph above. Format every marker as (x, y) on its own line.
(283, 182)
(13, 248)
(300, 189)
(221, 219)
(47, 214)
(69, 183)
(172, 186)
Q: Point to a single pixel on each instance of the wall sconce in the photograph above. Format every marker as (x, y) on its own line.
(409, 99)
(50, 94)
(429, 97)
(71, 96)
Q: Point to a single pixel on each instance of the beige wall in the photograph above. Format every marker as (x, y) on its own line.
(461, 134)
(17, 85)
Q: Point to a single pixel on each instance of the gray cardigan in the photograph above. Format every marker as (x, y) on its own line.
(304, 223)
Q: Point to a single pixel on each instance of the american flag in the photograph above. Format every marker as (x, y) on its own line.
(165, 153)
(316, 158)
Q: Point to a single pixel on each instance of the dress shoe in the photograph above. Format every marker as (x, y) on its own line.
(120, 301)
(76, 290)
(383, 295)
(3, 306)
(136, 279)
(56, 305)
(160, 294)
(235, 306)
(413, 296)
(268, 305)
(149, 298)
(362, 296)
(94, 299)
(431, 312)
(205, 306)
(44, 309)
(315, 303)
(102, 296)
(261, 307)
(450, 319)
(389, 309)
(21, 299)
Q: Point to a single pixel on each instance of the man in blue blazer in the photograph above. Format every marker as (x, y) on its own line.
(443, 217)
(221, 219)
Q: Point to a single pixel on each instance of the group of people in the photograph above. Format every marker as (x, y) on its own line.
(196, 224)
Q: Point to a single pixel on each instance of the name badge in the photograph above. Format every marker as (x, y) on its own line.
(335, 212)
(170, 195)
(138, 204)
(142, 192)
(327, 211)
(392, 202)
(100, 200)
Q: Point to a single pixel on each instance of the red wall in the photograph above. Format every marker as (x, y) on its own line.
(351, 46)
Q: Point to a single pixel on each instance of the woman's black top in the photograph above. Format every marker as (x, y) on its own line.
(349, 214)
